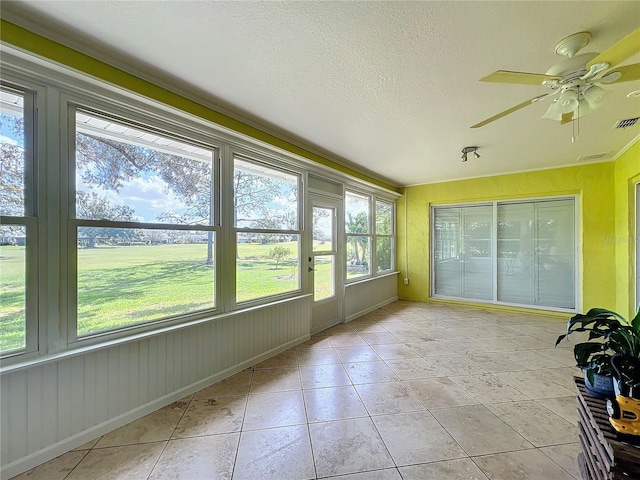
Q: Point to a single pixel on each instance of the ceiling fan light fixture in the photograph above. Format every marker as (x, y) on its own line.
(567, 101)
(584, 107)
(553, 112)
(593, 95)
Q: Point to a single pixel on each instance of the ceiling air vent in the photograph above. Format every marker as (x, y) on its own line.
(627, 122)
(593, 156)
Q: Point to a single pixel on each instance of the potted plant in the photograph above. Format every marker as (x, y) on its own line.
(609, 334)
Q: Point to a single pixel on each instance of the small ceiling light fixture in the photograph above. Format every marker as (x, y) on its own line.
(467, 150)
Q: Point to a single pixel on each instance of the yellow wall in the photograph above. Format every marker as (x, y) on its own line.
(627, 175)
(595, 183)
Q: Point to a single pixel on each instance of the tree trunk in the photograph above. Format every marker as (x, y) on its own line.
(209, 248)
(355, 247)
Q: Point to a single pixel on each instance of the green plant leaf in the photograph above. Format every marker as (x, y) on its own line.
(635, 322)
(604, 313)
(583, 351)
(560, 338)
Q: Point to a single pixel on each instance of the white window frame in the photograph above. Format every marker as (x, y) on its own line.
(272, 164)
(139, 121)
(369, 235)
(33, 202)
(494, 300)
(372, 235)
(391, 236)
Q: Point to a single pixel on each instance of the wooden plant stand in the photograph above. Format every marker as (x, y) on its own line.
(603, 456)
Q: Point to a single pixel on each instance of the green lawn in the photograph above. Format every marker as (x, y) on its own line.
(256, 273)
(120, 286)
(126, 285)
(12, 335)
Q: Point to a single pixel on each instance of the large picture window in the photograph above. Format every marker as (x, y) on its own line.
(144, 225)
(525, 248)
(266, 205)
(17, 223)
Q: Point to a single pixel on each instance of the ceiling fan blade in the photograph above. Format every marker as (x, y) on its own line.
(522, 78)
(507, 112)
(566, 118)
(619, 52)
(628, 74)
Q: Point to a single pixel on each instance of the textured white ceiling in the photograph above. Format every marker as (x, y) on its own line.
(389, 86)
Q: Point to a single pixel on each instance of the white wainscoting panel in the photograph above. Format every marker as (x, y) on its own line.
(365, 296)
(50, 408)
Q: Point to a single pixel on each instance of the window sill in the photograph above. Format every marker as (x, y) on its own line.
(371, 277)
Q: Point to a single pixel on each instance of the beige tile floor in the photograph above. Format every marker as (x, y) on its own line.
(410, 391)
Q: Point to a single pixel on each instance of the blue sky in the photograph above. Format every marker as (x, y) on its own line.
(7, 135)
(148, 195)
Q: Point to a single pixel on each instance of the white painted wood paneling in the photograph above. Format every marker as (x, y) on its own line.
(50, 408)
(358, 296)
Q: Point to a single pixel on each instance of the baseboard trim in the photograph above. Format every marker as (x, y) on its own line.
(353, 316)
(325, 325)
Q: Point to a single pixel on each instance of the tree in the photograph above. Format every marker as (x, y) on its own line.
(262, 202)
(253, 202)
(91, 206)
(12, 167)
(383, 253)
(359, 224)
(319, 214)
(278, 253)
(111, 164)
(383, 244)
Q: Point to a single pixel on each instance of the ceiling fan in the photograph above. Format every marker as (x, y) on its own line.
(577, 81)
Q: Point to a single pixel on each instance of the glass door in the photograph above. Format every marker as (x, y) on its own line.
(324, 263)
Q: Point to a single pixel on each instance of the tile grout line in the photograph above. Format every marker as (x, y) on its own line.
(244, 414)
(155, 464)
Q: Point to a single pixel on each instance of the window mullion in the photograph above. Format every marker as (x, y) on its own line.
(227, 249)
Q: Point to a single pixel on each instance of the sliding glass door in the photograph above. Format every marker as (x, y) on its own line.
(463, 252)
(536, 253)
(521, 252)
